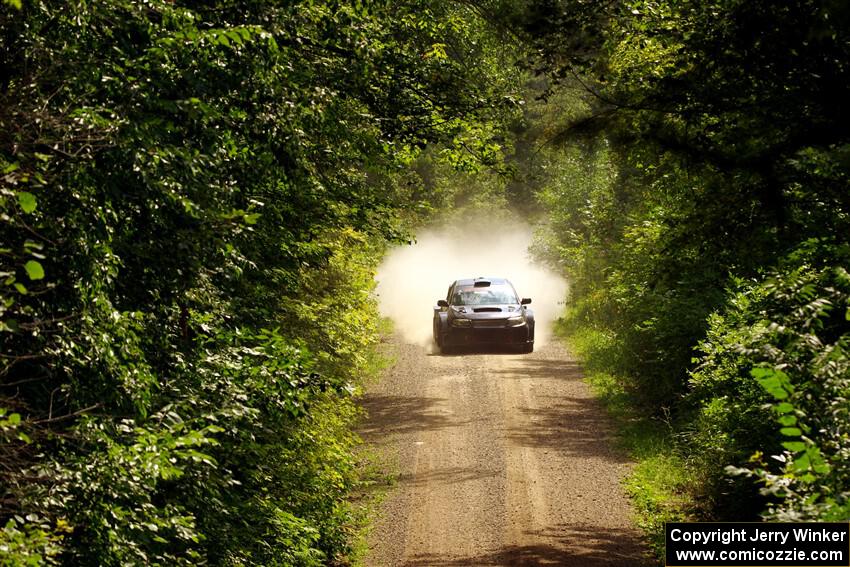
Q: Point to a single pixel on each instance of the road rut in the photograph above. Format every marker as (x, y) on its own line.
(502, 459)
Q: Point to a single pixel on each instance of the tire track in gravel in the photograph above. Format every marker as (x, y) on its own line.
(503, 459)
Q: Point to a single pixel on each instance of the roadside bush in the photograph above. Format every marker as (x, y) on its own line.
(729, 421)
(708, 144)
(193, 197)
(771, 392)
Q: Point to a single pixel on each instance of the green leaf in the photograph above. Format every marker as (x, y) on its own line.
(234, 35)
(821, 468)
(794, 446)
(22, 289)
(784, 407)
(34, 270)
(775, 382)
(801, 463)
(791, 431)
(788, 420)
(27, 201)
(14, 3)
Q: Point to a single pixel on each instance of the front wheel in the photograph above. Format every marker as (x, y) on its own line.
(527, 348)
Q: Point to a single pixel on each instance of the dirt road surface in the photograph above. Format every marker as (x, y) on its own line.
(502, 459)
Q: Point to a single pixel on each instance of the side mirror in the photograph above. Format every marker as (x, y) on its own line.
(442, 303)
(525, 301)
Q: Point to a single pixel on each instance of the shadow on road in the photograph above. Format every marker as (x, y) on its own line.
(562, 545)
(393, 415)
(577, 426)
(528, 367)
(477, 349)
(447, 476)
(573, 426)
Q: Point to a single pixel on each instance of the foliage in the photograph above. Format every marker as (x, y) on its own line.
(690, 186)
(797, 335)
(30, 541)
(193, 197)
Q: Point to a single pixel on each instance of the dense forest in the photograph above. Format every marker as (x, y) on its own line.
(697, 196)
(194, 197)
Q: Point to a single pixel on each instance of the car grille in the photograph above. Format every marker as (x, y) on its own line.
(489, 323)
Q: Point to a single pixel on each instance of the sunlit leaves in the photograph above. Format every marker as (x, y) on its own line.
(775, 382)
(34, 270)
(175, 179)
(27, 201)
(727, 124)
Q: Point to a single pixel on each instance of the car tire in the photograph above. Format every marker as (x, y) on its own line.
(527, 348)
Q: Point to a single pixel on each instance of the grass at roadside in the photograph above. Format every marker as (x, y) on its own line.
(656, 483)
(376, 479)
(377, 471)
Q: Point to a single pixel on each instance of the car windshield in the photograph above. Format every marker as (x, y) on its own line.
(490, 295)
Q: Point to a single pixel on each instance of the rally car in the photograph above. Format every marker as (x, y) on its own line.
(482, 312)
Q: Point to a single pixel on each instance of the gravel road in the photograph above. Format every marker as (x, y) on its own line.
(503, 459)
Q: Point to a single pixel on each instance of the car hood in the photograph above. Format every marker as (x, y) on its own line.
(487, 311)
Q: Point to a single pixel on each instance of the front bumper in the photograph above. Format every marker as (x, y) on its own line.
(461, 336)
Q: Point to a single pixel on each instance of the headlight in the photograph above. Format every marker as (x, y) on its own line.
(516, 321)
(456, 322)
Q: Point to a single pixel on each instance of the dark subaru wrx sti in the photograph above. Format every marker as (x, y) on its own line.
(483, 311)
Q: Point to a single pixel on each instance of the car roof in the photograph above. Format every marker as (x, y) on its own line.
(471, 281)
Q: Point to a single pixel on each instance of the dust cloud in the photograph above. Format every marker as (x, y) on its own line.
(412, 278)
